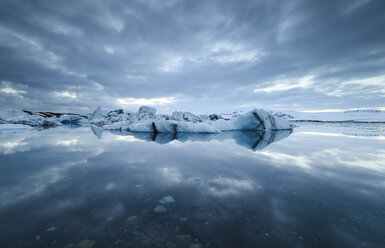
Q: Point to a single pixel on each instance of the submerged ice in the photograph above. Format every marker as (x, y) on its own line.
(148, 121)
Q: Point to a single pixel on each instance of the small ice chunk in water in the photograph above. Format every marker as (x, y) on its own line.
(160, 209)
(52, 228)
(167, 199)
(132, 218)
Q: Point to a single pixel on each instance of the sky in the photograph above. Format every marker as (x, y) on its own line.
(199, 56)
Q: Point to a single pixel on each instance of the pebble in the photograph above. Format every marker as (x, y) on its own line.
(171, 245)
(200, 216)
(183, 240)
(86, 243)
(196, 245)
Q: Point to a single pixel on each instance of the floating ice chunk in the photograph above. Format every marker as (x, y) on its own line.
(70, 118)
(187, 116)
(144, 126)
(177, 115)
(52, 228)
(203, 117)
(199, 127)
(163, 126)
(30, 118)
(167, 199)
(147, 110)
(119, 126)
(13, 115)
(145, 113)
(160, 209)
(255, 120)
(97, 115)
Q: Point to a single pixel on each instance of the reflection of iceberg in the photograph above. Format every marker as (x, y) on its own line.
(97, 131)
(259, 140)
(256, 140)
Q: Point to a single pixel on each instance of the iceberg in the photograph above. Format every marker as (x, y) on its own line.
(146, 120)
(97, 115)
(255, 120)
(70, 118)
(23, 117)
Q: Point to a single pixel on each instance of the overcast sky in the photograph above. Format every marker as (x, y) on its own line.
(200, 56)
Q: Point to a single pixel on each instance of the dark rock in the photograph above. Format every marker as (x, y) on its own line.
(146, 243)
(117, 111)
(171, 245)
(183, 240)
(196, 245)
(85, 243)
(213, 117)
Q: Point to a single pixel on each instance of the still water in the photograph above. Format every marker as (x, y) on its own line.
(79, 187)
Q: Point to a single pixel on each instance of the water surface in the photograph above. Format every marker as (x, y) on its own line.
(306, 189)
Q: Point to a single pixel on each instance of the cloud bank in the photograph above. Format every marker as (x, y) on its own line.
(199, 56)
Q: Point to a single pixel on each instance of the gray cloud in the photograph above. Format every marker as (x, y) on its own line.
(192, 55)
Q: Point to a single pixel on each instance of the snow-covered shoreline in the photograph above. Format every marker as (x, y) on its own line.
(146, 120)
(355, 116)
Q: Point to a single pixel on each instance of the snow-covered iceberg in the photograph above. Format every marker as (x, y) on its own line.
(186, 122)
(40, 119)
(146, 120)
(34, 119)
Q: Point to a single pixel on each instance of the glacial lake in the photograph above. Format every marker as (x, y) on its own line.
(319, 186)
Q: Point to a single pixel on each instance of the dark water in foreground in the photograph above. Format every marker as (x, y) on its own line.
(312, 189)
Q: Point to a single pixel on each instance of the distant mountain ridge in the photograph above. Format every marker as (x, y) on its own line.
(359, 115)
(365, 111)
